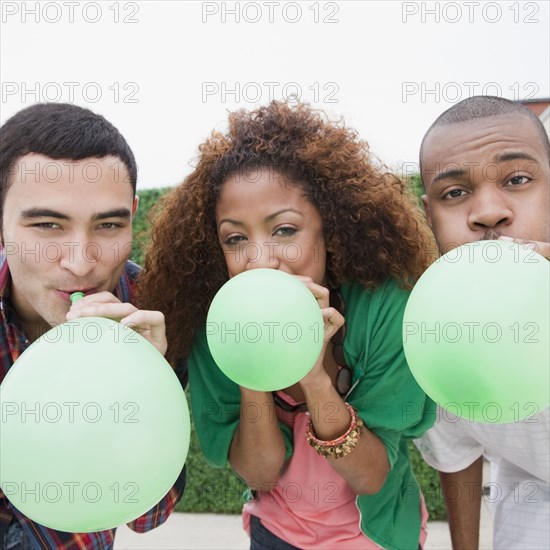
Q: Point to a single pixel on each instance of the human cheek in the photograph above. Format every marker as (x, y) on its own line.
(445, 232)
(536, 219)
(116, 250)
(316, 262)
(234, 267)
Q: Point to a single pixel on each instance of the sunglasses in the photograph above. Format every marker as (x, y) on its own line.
(344, 376)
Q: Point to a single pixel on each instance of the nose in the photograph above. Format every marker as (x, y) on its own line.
(80, 257)
(263, 255)
(489, 209)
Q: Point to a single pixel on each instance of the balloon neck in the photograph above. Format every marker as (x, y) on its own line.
(75, 296)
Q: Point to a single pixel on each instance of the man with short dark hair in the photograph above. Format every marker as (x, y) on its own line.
(485, 167)
(67, 198)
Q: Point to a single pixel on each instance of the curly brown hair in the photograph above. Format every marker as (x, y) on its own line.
(373, 226)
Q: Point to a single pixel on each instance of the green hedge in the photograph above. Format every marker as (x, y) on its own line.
(219, 490)
(417, 187)
(147, 199)
(216, 490)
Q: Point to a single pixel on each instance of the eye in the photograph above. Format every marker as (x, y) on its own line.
(46, 225)
(110, 225)
(234, 240)
(518, 180)
(285, 231)
(454, 194)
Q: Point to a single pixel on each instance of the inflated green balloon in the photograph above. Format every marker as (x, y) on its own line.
(94, 427)
(476, 332)
(265, 329)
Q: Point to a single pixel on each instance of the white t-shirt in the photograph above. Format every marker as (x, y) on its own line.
(520, 457)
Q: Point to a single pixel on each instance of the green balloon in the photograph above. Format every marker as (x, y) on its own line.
(476, 332)
(94, 427)
(265, 329)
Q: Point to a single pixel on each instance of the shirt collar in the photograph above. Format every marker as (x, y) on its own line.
(4, 274)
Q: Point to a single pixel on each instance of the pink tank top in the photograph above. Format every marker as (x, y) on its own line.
(312, 507)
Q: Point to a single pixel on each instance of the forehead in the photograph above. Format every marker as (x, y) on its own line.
(38, 177)
(262, 187)
(483, 140)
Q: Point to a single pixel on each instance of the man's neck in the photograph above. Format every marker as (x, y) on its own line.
(34, 330)
(30, 324)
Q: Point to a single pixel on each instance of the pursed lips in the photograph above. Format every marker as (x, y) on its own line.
(65, 294)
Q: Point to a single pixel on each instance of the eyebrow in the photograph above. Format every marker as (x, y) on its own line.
(117, 213)
(506, 157)
(32, 213)
(456, 173)
(267, 219)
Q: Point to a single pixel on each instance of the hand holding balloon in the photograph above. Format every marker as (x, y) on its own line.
(149, 324)
(540, 247)
(109, 429)
(332, 322)
(265, 329)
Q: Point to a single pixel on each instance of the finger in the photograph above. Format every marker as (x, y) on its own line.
(320, 293)
(144, 318)
(102, 296)
(333, 321)
(538, 246)
(151, 325)
(114, 311)
(303, 278)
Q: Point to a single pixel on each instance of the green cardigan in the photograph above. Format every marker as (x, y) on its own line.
(385, 394)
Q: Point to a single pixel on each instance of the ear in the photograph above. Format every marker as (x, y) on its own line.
(135, 206)
(427, 210)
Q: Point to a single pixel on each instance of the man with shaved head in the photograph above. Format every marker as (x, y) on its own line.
(484, 164)
(485, 167)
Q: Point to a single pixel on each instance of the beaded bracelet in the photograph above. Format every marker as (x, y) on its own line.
(342, 445)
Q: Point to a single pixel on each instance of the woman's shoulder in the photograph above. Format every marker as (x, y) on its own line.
(374, 319)
(387, 295)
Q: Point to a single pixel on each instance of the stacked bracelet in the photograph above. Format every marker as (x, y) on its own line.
(342, 445)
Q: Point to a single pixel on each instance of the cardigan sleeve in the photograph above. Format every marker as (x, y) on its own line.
(391, 404)
(386, 395)
(215, 405)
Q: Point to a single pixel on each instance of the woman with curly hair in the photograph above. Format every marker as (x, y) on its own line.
(327, 462)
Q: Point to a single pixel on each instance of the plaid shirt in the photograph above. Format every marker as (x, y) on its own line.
(14, 343)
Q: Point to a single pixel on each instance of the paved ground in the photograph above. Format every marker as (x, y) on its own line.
(221, 532)
(225, 532)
